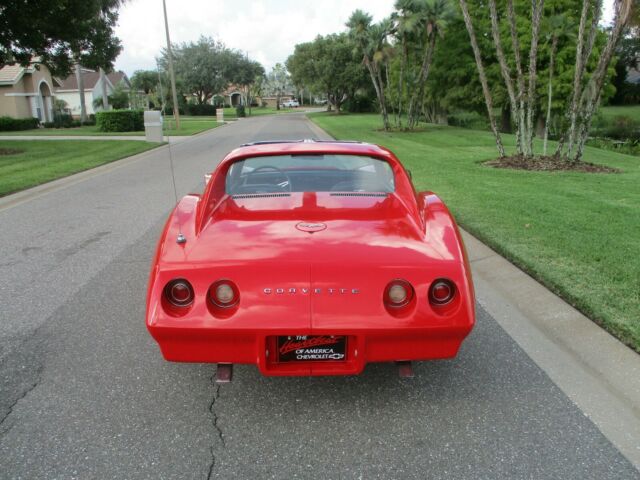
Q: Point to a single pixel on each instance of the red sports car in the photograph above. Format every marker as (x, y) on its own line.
(310, 258)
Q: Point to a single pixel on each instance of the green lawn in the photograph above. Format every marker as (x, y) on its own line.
(577, 233)
(632, 111)
(188, 126)
(255, 111)
(46, 160)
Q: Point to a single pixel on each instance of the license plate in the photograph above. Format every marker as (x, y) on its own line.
(312, 348)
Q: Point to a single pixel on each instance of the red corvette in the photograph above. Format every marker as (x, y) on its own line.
(310, 258)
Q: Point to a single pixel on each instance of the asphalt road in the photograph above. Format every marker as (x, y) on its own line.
(85, 393)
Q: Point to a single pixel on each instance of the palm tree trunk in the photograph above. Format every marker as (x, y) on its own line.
(554, 46)
(403, 65)
(103, 84)
(83, 106)
(383, 103)
(422, 79)
(483, 77)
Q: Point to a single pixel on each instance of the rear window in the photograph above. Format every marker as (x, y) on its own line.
(309, 173)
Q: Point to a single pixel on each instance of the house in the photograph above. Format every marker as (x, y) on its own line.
(70, 93)
(232, 96)
(27, 92)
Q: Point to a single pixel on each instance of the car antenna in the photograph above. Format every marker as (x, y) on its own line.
(181, 239)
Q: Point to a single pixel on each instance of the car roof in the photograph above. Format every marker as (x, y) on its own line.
(309, 147)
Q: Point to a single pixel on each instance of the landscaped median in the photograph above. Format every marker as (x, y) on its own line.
(578, 233)
(25, 164)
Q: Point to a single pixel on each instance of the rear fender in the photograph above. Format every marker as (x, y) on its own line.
(181, 220)
(440, 228)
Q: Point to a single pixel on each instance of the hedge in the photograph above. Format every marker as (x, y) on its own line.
(120, 121)
(9, 124)
(205, 109)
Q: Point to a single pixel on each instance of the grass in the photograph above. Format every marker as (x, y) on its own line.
(632, 111)
(256, 111)
(43, 161)
(577, 233)
(188, 126)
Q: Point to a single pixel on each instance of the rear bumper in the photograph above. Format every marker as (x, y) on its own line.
(258, 348)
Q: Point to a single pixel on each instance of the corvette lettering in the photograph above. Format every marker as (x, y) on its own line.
(307, 291)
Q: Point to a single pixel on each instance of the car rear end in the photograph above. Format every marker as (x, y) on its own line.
(312, 282)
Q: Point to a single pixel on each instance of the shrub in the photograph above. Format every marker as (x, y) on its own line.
(240, 111)
(204, 109)
(62, 120)
(620, 128)
(168, 111)
(358, 104)
(120, 121)
(9, 124)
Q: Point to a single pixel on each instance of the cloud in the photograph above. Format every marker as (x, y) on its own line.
(266, 30)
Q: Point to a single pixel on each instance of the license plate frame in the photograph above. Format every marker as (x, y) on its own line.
(311, 348)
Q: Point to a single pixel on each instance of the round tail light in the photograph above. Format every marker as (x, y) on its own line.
(441, 292)
(179, 293)
(224, 294)
(398, 293)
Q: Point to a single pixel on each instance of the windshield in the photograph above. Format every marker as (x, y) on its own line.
(309, 173)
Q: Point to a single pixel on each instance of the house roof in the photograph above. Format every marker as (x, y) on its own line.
(10, 74)
(91, 79)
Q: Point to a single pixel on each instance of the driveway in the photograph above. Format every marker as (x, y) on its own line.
(85, 392)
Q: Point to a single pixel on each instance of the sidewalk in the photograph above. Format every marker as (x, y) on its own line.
(140, 138)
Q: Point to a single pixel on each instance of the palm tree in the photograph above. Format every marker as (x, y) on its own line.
(406, 22)
(80, 81)
(483, 76)
(434, 16)
(103, 83)
(372, 42)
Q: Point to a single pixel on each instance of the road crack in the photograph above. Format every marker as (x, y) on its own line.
(214, 422)
(21, 396)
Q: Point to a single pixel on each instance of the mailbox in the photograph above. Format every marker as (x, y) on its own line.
(153, 126)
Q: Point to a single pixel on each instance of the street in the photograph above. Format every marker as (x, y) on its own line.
(85, 393)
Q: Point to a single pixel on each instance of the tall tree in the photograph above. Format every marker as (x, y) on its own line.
(483, 77)
(623, 10)
(46, 30)
(328, 64)
(203, 68)
(80, 82)
(434, 17)
(278, 82)
(372, 41)
(558, 26)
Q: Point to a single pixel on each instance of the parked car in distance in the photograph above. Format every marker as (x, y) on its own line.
(310, 258)
(290, 104)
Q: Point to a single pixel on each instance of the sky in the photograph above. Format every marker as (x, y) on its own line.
(266, 30)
